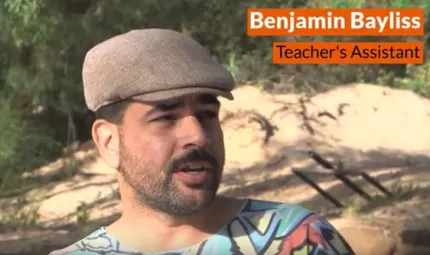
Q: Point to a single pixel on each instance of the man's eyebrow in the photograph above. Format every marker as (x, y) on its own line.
(164, 107)
(205, 99)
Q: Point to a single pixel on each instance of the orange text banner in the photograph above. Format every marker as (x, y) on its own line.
(335, 22)
(347, 53)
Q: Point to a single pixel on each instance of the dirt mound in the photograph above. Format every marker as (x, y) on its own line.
(382, 131)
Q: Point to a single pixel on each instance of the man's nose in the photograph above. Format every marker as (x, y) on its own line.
(192, 133)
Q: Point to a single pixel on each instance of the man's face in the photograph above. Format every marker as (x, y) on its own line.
(172, 153)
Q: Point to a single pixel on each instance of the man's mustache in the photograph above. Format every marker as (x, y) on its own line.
(192, 155)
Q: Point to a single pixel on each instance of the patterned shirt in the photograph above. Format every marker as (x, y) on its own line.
(259, 228)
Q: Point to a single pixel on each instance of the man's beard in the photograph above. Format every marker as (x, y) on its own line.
(156, 189)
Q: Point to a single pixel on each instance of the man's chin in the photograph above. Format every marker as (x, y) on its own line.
(201, 192)
(185, 201)
(198, 196)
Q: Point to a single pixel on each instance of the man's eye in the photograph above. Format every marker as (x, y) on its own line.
(163, 118)
(207, 114)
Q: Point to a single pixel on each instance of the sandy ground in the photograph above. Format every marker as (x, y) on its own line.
(361, 127)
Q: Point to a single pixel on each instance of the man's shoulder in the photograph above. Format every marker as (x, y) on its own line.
(295, 226)
(285, 218)
(98, 242)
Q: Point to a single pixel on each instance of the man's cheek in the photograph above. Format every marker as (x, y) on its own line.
(159, 149)
(218, 150)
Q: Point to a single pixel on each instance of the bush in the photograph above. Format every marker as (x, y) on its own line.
(23, 146)
(44, 42)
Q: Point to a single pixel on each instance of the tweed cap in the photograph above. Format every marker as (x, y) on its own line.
(151, 65)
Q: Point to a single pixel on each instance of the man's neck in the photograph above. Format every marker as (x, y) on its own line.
(140, 227)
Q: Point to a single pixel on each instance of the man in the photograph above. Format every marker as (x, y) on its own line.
(154, 92)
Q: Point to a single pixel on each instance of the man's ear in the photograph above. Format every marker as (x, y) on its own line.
(106, 137)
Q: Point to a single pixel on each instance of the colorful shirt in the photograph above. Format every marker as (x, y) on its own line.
(259, 228)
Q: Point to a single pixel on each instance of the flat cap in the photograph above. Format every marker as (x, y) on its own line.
(151, 65)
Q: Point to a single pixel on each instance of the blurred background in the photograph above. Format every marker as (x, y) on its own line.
(44, 121)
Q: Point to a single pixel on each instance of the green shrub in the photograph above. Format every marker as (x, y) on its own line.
(22, 145)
